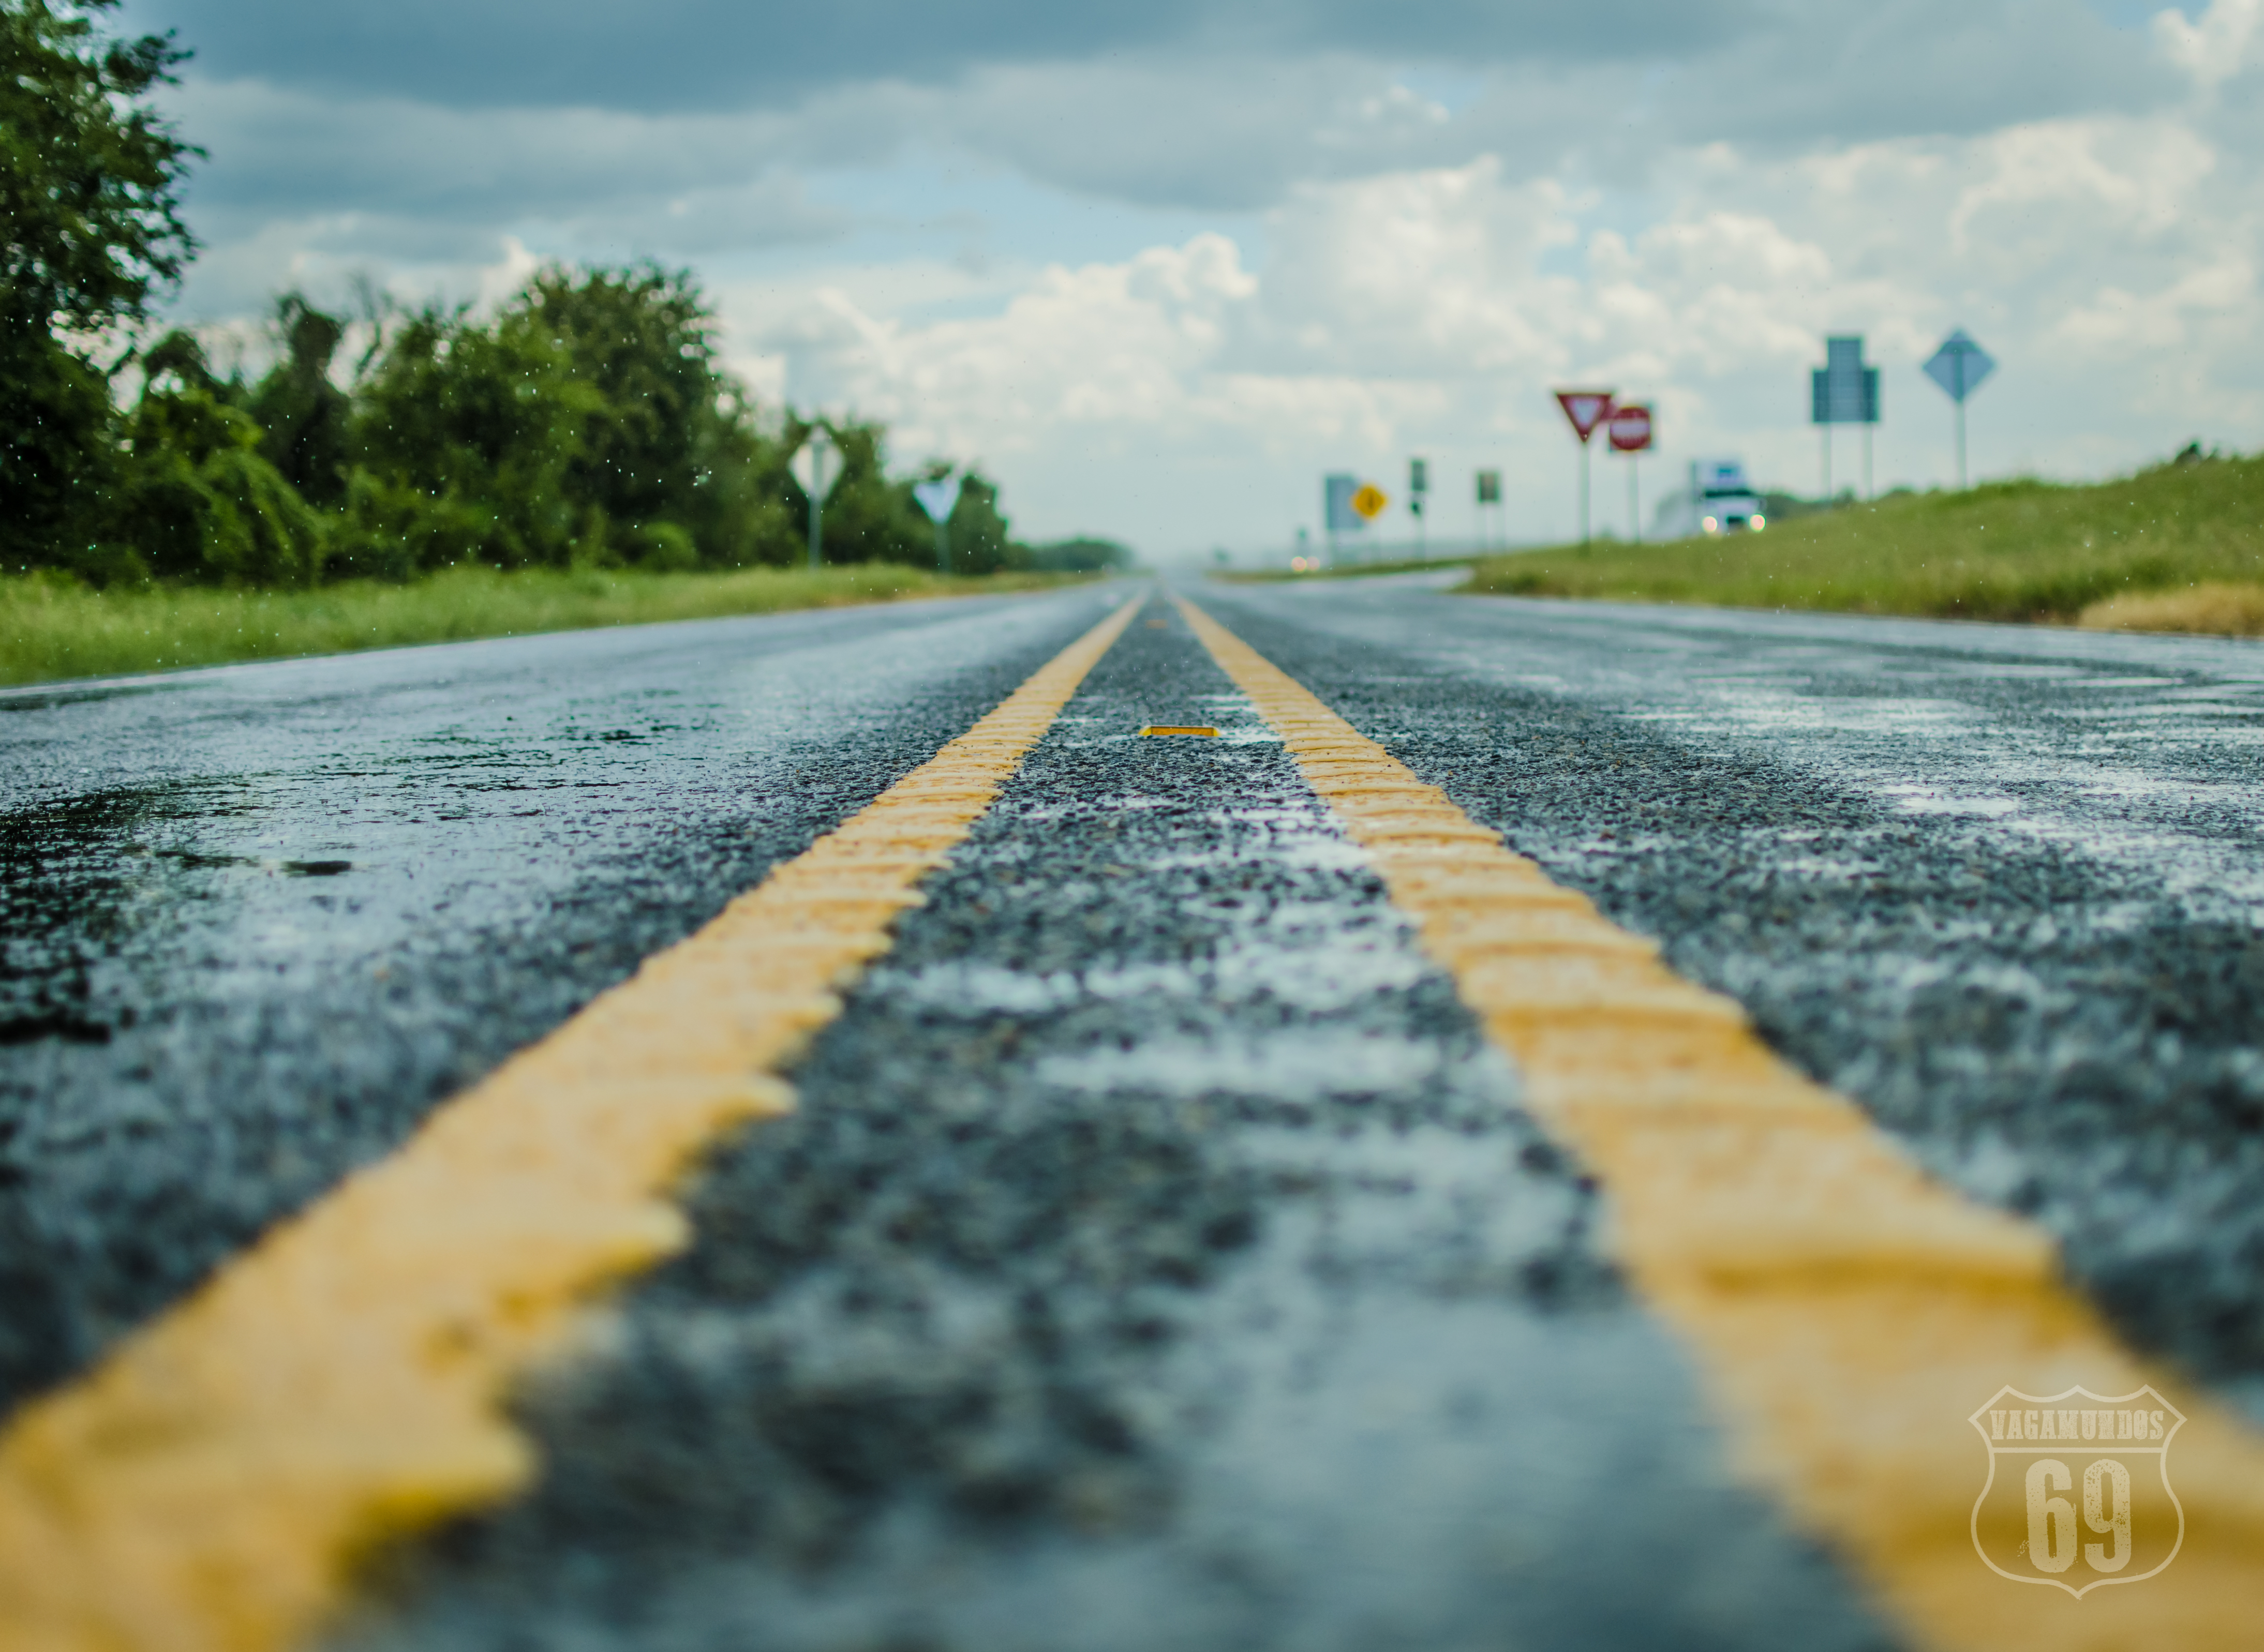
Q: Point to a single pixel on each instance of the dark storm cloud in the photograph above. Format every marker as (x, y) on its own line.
(679, 126)
(714, 54)
(271, 148)
(1929, 67)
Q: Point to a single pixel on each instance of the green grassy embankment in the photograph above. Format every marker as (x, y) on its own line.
(2179, 548)
(52, 628)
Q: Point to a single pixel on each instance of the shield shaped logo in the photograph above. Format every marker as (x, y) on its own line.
(2079, 1489)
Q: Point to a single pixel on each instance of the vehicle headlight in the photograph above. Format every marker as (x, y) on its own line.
(1711, 525)
(1757, 523)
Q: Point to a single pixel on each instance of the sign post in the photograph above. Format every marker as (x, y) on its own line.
(1418, 484)
(1958, 367)
(1489, 494)
(1844, 391)
(816, 466)
(938, 497)
(1583, 410)
(1630, 429)
(1337, 514)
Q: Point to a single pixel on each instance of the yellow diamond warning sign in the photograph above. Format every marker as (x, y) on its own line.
(1369, 501)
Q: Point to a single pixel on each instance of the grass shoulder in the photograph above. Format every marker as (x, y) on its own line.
(52, 627)
(1350, 570)
(2178, 548)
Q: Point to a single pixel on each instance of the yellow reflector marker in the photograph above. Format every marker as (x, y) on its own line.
(1174, 728)
(1850, 1312)
(208, 1487)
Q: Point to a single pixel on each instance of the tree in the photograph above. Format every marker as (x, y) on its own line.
(588, 423)
(867, 518)
(638, 338)
(204, 505)
(305, 417)
(467, 437)
(89, 198)
(980, 540)
(1085, 555)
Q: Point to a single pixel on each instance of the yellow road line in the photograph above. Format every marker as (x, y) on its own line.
(1204, 732)
(1849, 1313)
(209, 1486)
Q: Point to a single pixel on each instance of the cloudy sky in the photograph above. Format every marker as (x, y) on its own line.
(1158, 266)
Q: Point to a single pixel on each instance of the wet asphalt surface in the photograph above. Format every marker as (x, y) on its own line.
(254, 923)
(1159, 1259)
(2002, 885)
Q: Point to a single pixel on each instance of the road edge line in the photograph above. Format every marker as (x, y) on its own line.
(210, 1485)
(1848, 1312)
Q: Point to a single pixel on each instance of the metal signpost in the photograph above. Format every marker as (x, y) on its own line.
(1958, 367)
(816, 466)
(939, 497)
(1489, 494)
(1583, 410)
(1844, 391)
(1337, 514)
(1629, 430)
(1418, 484)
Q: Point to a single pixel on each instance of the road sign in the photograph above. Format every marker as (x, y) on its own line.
(1418, 476)
(1585, 410)
(1369, 501)
(1336, 498)
(1629, 427)
(939, 497)
(1959, 365)
(1489, 487)
(816, 466)
(1843, 390)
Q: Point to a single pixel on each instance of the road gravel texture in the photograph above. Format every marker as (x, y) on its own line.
(1160, 1258)
(255, 922)
(2000, 884)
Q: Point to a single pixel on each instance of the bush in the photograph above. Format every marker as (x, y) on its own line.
(196, 501)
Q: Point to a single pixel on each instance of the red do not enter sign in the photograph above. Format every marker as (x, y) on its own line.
(1631, 427)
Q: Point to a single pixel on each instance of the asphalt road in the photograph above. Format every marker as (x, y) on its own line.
(255, 922)
(1159, 1257)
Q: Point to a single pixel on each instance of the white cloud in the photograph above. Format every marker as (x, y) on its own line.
(1159, 290)
(2214, 48)
(1180, 398)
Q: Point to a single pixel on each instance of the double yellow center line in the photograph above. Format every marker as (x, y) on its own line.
(1848, 1313)
(210, 1485)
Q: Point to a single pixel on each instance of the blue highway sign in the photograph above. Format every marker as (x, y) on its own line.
(1843, 390)
(1960, 366)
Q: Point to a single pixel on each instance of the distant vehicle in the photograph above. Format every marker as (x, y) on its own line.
(1722, 500)
(1719, 500)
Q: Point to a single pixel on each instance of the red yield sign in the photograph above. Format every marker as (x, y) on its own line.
(1631, 427)
(1586, 409)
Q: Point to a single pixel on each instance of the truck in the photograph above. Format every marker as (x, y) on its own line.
(1719, 500)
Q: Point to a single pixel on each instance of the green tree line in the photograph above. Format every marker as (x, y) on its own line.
(588, 423)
